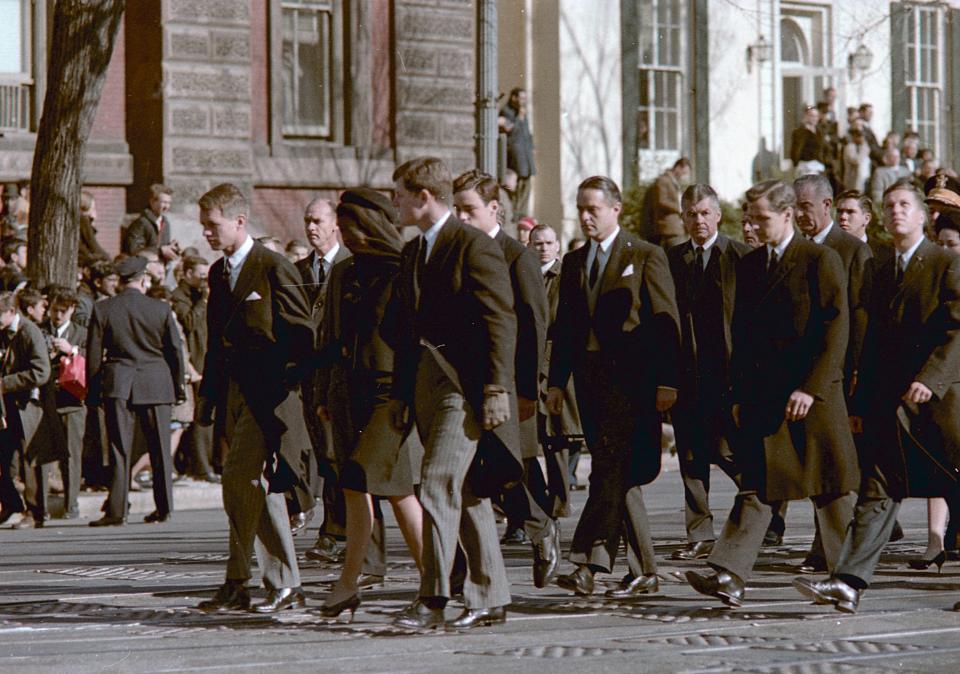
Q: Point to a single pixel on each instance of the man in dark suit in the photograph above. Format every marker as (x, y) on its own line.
(476, 196)
(454, 341)
(25, 368)
(152, 229)
(135, 370)
(909, 395)
(705, 276)
(259, 351)
(561, 435)
(67, 340)
(320, 227)
(790, 330)
(617, 302)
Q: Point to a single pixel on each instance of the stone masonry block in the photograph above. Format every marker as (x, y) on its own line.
(458, 130)
(188, 44)
(232, 122)
(218, 11)
(188, 120)
(417, 60)
(421, 24)
(415, 128)
(435, 95)
(456, 63)
(208, 160)
(228, 84)
(231, 45)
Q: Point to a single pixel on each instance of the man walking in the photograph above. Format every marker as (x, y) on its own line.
(135, 369)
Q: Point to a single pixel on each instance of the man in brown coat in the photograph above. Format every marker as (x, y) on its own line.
(664, 226)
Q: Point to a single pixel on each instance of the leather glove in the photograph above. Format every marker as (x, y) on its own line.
(496, 406)
(399, 414)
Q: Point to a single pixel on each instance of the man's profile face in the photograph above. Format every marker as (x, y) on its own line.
(813, 212)
(519, 99)
(197, 277)
(320, 225)
(598, 218)
(772, 225)
(545, 243)
(6, 318)
(160, 204)
(410, 205)
(220, 231)
(472, 211)
(701, 220)
(60, 313)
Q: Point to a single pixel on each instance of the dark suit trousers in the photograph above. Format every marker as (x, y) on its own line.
(71, 467)
(614, 504)
(13, 461)
(154, 423)
(703, 428)
(525, 504)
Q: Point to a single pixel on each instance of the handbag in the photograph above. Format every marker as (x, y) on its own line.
(73, 376)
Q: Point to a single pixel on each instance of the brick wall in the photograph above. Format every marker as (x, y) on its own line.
(279, 212)
(110, 121)
(111, 209)
(260, 72)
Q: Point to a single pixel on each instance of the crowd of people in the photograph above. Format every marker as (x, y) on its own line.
(813, 360)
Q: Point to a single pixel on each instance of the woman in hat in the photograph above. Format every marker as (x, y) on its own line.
(354, 385)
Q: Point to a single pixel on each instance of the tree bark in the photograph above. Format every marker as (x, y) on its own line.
(84, 33)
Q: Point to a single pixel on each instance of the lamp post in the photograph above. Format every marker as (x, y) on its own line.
(760, 52)
(487, 86)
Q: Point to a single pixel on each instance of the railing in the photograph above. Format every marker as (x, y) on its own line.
(16, 109)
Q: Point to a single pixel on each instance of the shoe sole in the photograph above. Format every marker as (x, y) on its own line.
(821, 599)
(696, 581)
(480, 623)
(295, 606)
(570, 587)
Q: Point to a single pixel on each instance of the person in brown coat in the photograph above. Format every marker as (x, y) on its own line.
(664, 226)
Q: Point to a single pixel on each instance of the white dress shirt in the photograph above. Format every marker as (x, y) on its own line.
(326, 260)
(779, 249)
(235, 261)
(908, 255)
(821, 236)
(707, 247)
(430, 236)
(604, 248)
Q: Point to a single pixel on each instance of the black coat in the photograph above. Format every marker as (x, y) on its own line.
(913, 335)
(790, 332)
(134, 351)
(260, 335)
(313, 289)
(143, 233)
(76, 335)
(25, 370)
(462, 304)
(567, 423)
(190, 306)
(635, 321)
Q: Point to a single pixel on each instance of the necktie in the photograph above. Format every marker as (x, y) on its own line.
(321, 272)
(901, 268)
(228, 272)
(160, 225)
(595, 269)
(698, 266)
(772, 264)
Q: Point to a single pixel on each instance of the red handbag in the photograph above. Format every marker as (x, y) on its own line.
(73, 376)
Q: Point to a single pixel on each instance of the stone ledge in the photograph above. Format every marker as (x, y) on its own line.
(208, 11)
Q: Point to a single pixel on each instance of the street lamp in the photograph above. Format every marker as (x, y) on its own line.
(760, 51)
(860, 60)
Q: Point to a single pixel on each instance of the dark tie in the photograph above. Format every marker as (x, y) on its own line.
(772, 264)
(698, 267)
(321, 274)
(227, 271)
(901, 267)
(595, 269)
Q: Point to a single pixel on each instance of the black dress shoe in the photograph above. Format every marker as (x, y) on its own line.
(475, 617)
(832, 591)
(326, 549)
(156, 517)
(579, 582)
(515, 537)
(368, 580)
(231, 596)
(896, 533)
(695, 550)
(813, 564)
(419, 616)
(772, 539)
(546, 557)
(300, 521)
(723, 585)
(632, 587)
(107, 521)
(278, 600)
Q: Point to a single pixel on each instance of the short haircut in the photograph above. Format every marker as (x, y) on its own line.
(294, 244)
(697, 193)
(192, 262)
(8, 301)
(683, 162)
(227, 198)
(820, 185)
(157, 189)
(778, 194)
(101, 269)
(541, 228)
(906, 185)
(426, 173)
(63, 296)
(516, 90)
(484, 184)
(865, 106)
(865, 202)
(28, 297)
(11, 247)
(86, 201)
(611, 193)
(159, 292)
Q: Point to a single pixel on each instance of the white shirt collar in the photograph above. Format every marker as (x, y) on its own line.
(708, 244)
(239, 255)
(61, 331)
(330, 254)
(782, 247)
(864, 238)
(907, 256)
(547, 266)
(606, 243)
(493, 232)
(430, 236)
(821, 236)
(15, 323)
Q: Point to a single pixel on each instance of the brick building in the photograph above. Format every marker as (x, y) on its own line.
(287, 98)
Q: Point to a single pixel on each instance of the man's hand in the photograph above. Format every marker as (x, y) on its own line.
(918, 393)
(170, 252)
(798, 405)
(856, 424)
(324, 414)
(852, 388)
(496, 406)
(526, 407)
(397, 409)
(63, 346)
(735, 413)
(555, 400)
(666, 397)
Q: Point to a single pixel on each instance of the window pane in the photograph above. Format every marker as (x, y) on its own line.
(645, 22)
(307, 72)
(11, 37)
(644, 88)
(643, 130)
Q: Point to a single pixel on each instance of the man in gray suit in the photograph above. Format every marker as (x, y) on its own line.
(454, 341)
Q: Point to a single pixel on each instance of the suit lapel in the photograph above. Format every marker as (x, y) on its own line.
(440, 250)
(613, 269)
(783, 267)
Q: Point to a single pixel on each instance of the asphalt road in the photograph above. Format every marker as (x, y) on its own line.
(76, 599)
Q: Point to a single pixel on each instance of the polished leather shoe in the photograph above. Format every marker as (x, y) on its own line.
(515, 537)
(300, 521)
(326, 549)
(723, 585)
(107, 521)
(368, 580)
(419, 616)
(813, 564)
(832, 591)
(772, 539)
(633, 587)
(476, 617)
(278, 600)
(231, 596)
(695, 550)
(546, 557)
(896, 533)
(579, 582)
(156, 517)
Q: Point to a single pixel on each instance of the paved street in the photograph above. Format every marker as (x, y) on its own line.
(75, 599)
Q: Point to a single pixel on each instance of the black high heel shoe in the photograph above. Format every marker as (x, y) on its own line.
(351, 603)
(921, 564)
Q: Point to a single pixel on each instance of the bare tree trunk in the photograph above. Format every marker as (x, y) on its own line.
(84, 33)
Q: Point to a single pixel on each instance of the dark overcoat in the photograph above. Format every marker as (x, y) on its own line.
(26, 369)
(567, 423)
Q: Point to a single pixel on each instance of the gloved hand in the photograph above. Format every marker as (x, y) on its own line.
(496, 406)
(399, 414)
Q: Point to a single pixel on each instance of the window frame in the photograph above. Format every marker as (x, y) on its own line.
(656, 70)
(915, 87)
(32, 75)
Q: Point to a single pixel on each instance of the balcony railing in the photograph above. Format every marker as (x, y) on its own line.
(16, 104)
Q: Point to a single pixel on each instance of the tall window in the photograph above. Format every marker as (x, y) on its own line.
(16, 83)
(661, 75)
(924, 72)
(309, 54)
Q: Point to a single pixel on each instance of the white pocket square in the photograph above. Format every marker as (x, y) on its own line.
(253, 296)
(628, 271)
